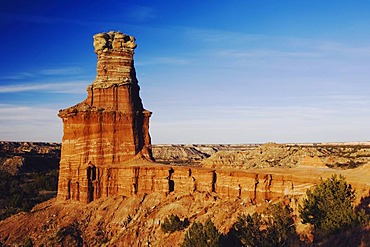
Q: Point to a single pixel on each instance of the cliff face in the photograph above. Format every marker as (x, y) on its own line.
(107, 129)
(195, 193)
(252, 186)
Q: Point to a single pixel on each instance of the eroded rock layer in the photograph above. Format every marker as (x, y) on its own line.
(107, 129)
(135, 215)
(106, 149)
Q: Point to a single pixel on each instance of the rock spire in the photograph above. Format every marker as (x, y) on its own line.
(109, 129)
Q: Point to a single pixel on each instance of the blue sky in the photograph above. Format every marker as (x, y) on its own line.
(210, 71)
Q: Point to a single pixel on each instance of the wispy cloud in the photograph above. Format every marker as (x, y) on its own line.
(35, 123)
(42, 73)
(62, 71)
(336, 47)
(227, 37)
(244, 43)
(18, 76)
(62, 87)
(262, 124)
(260, 53)
(164, 61)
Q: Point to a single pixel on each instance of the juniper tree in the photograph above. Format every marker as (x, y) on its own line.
(329, 207)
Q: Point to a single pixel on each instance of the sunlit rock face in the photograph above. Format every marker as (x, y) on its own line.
(106, 148)
(107, 129)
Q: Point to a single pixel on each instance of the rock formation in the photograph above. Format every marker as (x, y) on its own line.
(106, 159)
(339, 155)
(106, 149)
(107, 129)
(28, 157)
(23, 157)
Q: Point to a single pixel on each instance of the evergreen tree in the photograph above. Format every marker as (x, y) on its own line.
(329, 207)
(202, 235)
(275, 227)
(280, 225)
(173, 223)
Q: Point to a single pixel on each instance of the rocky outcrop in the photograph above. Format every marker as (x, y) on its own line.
(111, 192)
(106, 149)
(135, 219)
(27, 157)
(117, 221)
(292, 155)
(192, 154)
(107, 129)
(32, 156)
(20, 157)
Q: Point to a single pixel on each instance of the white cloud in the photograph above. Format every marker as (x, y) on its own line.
(260, 53)
(342, 118)
(33, 123)
(19, 76)
(62, 87)
(163, 61)
(225, 37)
(62, 71)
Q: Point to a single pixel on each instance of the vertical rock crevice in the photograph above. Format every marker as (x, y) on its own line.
(255, 192)
(214, 180)
(267, 187)
(135, 184)
(171, 182)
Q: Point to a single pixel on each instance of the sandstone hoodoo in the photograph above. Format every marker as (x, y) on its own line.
(109, 128)
(107, 165)
(106, 149)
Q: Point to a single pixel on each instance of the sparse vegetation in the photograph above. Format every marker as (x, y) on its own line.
(70, 235)
(330, 209)
(173, 223)
(21, 192)
(202, 235)
(275, 227)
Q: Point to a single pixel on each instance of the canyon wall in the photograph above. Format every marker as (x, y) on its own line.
(226, 173)
(137, 180)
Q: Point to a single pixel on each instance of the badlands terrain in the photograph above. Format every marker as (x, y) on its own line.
(116, 189)
(122, 220)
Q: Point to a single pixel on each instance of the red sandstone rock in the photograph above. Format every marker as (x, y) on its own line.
(106, 152)
(106, 148)
(107, 129)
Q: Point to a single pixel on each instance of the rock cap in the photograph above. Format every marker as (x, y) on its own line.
(113, 41)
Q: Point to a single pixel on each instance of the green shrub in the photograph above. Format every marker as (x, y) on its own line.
(275, 227)
(202, 235)
(21, 191)
(173, 223)
(280, 225)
